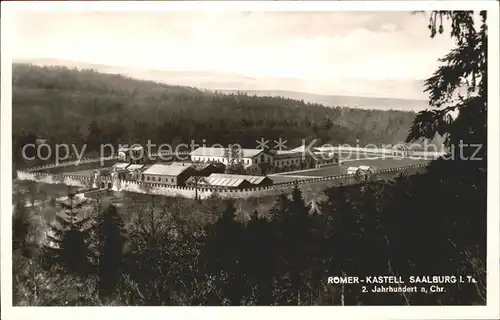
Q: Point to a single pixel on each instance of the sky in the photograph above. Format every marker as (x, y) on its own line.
(319, 48)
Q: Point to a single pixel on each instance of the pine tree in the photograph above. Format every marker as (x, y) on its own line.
(20, 226)
(455, 213)
(146, 261)
(298, 208)
(370, 254)
(68, 239)
(340, 235)
(464, 67)
(279, 208)
(94, 136)
(161, 258)
(293, 228)
(300, 256)
(222, 255)
(259, 259)
(109, 230)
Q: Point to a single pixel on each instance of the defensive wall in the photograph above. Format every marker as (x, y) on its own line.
(74, 165)
(54, 178)
(40, 174)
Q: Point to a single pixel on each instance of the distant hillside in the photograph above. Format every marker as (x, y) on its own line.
(365, 93)
(88, 107)
(349, 101)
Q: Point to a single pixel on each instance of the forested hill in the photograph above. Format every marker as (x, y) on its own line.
(343, 100)
(84, 106)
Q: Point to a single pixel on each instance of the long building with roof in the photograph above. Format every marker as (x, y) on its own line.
(237, 181)
(262, 161)
(167, 174)
(247, 157)
(203, 169)
(289, 160)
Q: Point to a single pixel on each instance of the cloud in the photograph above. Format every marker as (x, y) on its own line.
(316, 47)
(390, 27)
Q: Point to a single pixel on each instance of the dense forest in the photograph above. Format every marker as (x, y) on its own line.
(167, 255)
(86, 107)
(185, 252)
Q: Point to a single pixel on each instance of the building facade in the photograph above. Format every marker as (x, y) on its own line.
(174, 175)
(246, 157)
(363, 173)
(290, 160)
(133, 155)
(400, 150)
(256, 161)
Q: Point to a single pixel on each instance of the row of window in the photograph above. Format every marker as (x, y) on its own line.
(286, 162)
(326, 161)
(248, 161)
(244, 161)
(160, 179)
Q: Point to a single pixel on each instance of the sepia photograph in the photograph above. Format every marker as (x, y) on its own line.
(250, 154)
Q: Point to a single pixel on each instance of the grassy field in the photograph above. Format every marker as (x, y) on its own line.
(386, 163)
(356, 155)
